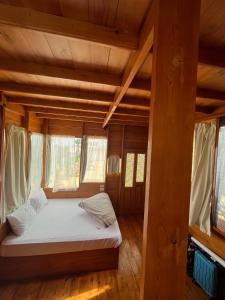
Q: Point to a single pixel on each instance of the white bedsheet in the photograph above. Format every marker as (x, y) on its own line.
(62, 226)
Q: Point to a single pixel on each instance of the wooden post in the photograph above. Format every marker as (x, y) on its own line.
(175, 53)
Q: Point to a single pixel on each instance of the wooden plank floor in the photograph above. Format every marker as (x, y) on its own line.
(115, 284)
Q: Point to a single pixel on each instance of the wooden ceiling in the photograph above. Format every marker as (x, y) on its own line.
(92, 58)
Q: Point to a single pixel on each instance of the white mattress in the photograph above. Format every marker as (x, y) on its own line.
(62, 226)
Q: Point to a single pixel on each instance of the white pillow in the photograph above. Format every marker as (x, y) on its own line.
(100, 207)
(38, 200)
(21, 219)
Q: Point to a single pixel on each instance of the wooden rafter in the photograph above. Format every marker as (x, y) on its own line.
(38, 21)
(72, 106)
(135, 62)
(92, 120)
(66, 73)
(83, 76)
(75, 95)
(71, 113)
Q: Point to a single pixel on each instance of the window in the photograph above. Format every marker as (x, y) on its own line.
(129, 174)
(35, 161)
(219, 208)
(63, 162)
(140, 173)
(94, 159)
(135, 168)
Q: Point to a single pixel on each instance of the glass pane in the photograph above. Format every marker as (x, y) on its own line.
(63, 163)
(140, 174)
(94, 159)
(129, 170)
(219, 217)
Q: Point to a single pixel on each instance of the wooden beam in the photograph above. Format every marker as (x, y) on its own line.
(83, 76)
(135, 62)
(63, 112)
(73, 106)
(65, 27)
(51, 71)
(91, 120)
(168, 181)
(79, 114)
(75, 95)
(71, 118)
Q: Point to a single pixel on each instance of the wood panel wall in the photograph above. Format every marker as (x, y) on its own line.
(122, 139)
(115, 147)
(35, 124)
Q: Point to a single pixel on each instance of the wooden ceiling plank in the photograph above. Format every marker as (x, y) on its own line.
(135, 62)
(27, 18)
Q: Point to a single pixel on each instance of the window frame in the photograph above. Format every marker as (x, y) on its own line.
(135, 183)
(214, 228)
(106, 156)
(81, 155)
(45, 160)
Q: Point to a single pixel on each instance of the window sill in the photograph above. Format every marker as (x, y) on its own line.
(214, 242)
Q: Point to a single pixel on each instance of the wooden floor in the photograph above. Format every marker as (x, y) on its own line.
(120, 284)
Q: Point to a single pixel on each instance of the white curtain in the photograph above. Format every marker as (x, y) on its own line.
(35, 162)
(114, 165)
(219, 216)
(15, 184)
(63, 162)
(94, 164)
(202, 175)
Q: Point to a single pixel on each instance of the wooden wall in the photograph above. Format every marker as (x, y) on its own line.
(123, 139)
(16, 115)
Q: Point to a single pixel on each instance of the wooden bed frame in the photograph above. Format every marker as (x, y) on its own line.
(41, 266)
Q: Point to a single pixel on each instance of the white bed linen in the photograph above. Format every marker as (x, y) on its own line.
(62, 226)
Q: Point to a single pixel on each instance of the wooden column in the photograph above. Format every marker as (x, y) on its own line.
(175, 53)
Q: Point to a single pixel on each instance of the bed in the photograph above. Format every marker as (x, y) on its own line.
(62, 239)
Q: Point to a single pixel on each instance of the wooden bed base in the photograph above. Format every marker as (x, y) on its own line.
(30, 267)
(41, 266)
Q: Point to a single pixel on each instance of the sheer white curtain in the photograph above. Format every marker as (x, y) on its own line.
(114, 165)
(219, 217)
(15, 184)
(94, 163)
(63, 162)
(35, 162)
(202, 175)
